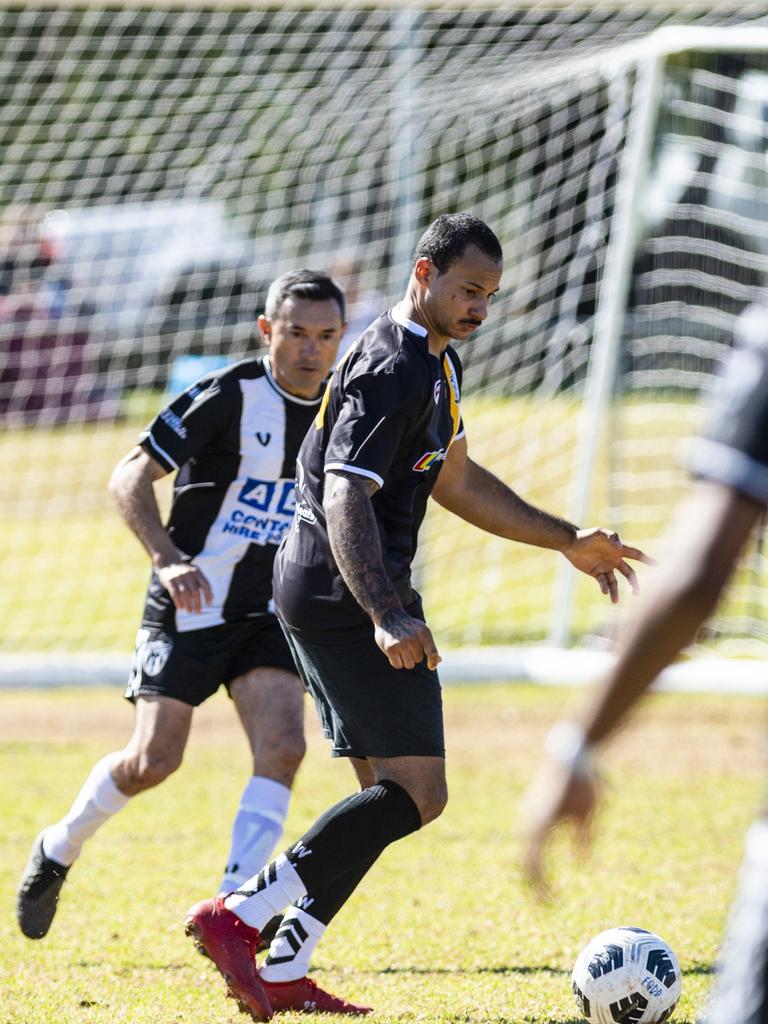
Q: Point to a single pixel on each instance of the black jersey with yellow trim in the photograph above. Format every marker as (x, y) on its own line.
(733, 448)
(233, 437)
(389, 413)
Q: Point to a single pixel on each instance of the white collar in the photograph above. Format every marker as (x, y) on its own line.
(409, 325)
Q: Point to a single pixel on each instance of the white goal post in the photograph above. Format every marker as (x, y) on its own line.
(161, 164)
(649, 56)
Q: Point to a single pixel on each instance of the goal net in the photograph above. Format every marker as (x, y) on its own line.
(161, 165)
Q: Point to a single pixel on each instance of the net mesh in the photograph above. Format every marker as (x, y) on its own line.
(160, 166)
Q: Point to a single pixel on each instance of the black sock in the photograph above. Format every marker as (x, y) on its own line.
(325, 903)
(348, 838)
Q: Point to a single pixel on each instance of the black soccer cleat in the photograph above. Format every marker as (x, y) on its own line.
(38, 892)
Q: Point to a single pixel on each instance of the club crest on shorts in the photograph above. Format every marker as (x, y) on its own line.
(154, 656)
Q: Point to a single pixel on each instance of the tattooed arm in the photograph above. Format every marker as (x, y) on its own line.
(356, 547)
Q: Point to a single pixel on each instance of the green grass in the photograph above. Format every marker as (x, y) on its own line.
(73, 577)
(443, 930)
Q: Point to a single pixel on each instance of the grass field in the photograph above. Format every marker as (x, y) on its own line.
(443, 930)
(73, 577)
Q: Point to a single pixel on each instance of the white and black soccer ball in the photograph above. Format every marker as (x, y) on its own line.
(627, 976)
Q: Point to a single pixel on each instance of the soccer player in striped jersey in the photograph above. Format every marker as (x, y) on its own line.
(208, 619)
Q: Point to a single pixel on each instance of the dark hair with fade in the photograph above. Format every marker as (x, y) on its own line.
(449, 236)
(303, 284)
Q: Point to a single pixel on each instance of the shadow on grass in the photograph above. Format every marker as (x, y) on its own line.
(459, 971)
(501, 969)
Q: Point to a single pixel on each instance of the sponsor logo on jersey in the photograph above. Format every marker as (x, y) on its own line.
(170, 419)
(428, 459)
(304, 513)
(437, 391)
(263, 438)
(269, 495)
(273, 503)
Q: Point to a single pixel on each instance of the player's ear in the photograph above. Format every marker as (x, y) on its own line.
(265, 329)
(423, 270)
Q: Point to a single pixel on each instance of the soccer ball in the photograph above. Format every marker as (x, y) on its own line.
(627, 976)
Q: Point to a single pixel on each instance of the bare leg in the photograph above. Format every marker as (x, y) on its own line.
(157, 746)
(270, 703)
(423, 779)
(153, 752)
(363, 771)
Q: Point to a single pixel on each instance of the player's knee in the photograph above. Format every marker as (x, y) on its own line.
(290, 755)
(432, 803)
(146, 769)
(282, 760)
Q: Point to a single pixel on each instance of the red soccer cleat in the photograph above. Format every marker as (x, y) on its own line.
(305, 996)
(232, 945)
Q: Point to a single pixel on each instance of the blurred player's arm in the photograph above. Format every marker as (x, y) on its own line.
(473, 493)
(713, 527)
(356, 547)
(132, 487)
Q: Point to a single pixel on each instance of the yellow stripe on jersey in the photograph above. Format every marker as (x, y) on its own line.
(453, 394)
(320, 418)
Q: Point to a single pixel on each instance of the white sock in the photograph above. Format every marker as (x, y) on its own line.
(97, 801)
(292, 947)
(267, 894)
(257, 827)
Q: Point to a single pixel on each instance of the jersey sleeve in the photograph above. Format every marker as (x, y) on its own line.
(733, 448)
(373, 417)
(183, 428)
(455, 374)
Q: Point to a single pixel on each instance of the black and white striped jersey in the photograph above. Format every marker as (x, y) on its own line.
(233, 437)
(733, 448)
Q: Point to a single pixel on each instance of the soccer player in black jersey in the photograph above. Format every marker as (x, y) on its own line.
(208, 617)
(387, 435)
(730, 461)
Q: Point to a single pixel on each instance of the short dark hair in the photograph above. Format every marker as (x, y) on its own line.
(303, 284)
(449, 236)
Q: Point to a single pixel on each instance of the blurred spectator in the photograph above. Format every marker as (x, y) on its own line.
(46, 373)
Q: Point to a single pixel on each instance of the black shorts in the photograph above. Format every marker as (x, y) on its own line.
(191, 666)
(366, 707)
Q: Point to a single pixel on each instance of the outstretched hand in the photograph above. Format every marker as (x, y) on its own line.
(601, 553)
(559, 793)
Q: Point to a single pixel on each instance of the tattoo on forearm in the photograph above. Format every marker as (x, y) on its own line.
(355, 544)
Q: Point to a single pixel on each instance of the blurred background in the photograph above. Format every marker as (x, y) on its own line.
(161, 164)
